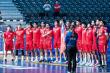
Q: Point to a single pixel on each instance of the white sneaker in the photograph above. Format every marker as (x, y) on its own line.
(88, 63)
(31, 59)
(27, 59)
(36, 60)
(92, 63)
(16, 59)
(80, 63)
(83, 63)
(69, 72)
(59, 61)
(56, 61)
(22, 58)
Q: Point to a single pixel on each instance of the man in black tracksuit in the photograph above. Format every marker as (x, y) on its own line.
(71, 50)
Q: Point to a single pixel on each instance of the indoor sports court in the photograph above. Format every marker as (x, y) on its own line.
(54, 36)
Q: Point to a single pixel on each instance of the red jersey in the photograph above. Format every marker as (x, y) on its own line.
(29, 34)
(89, 36)
(49, 34)
(19, 35)
(57, 33)
(102, 35)
(57, 8)
(8, 37)
(78, 30)
(84, 36)
(42, 32)
(36, 34)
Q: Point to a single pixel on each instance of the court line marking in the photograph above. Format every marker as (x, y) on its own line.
(16, 67)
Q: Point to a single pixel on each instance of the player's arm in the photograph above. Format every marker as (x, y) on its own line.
(50, 32)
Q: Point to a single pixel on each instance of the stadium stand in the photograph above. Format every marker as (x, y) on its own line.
(84, 9)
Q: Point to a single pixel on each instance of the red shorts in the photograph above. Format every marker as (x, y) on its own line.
(102, 48)
(48, 45)
(19, 45)
(89, 48)
(57, 44)
(94, 47)
(29, 45)
(36, 45)
(84, 47)
(42, 44)
(79, 45)
(8, 46)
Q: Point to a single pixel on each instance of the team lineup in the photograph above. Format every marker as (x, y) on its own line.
(91, 43)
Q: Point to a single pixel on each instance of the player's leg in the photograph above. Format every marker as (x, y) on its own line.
(56, 54)
(105, 59)
(12, 53)
(27, 58)
(45, 55)
(51, 55)
(41, 55)
(95, 58)
(22, 55)
(32, 55)
(22, 50)
(16, 55)
(17, 46)
(5, 52)
(27, 50)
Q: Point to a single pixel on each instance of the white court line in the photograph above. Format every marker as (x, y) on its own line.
(16, 67)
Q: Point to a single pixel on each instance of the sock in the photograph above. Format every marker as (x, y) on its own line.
(32, 58)
(41, 58)
(36, 58)
(16, 58)
(51, 58)
(27, 58)
(45, 57)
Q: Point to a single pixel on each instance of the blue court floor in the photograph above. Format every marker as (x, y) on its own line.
(23, 67)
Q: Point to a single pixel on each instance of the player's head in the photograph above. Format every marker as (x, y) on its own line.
(42, 24)
(101, 23)
(47, 25)
(84, 25)
(68, 24)
(56, 23)
(88, 25)
(78, 22)
(9, 28)
(97, 22)
(30, 25)
(92, 23)
(61, 22)
(72, 23)
(19, 26)
(35, 24)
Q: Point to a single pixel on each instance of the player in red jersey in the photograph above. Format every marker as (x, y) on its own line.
(8, 42)
(42, 40)
(19, 45)
(36, 40)
(102, 42)
(48, 43)
(29, 41)
(89, 41)
(94, 45)
(78, 30)
(57, 38)
(84, 30)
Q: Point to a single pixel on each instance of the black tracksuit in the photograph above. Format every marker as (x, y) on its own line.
(71, 51)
